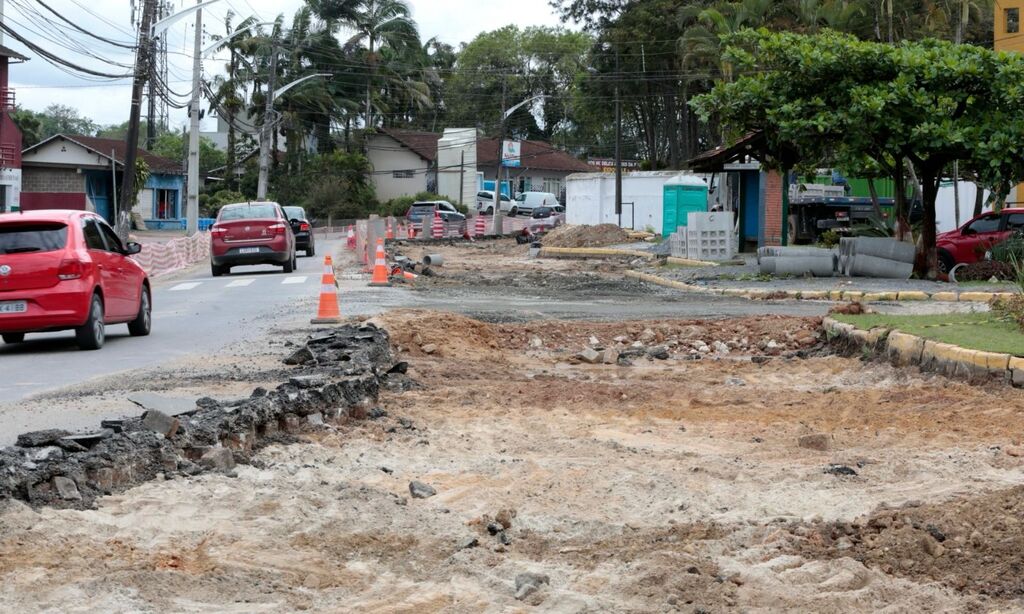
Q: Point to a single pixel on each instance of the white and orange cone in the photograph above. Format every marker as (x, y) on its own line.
(438, 226)
(350, 240)
(481, 226)
(328, 312)
(380, 267)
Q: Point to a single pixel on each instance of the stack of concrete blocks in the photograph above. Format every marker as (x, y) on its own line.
(709, 236)
(677, 243)
(876, 257)
(816, 261)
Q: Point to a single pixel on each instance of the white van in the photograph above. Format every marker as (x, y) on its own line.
(526, 202)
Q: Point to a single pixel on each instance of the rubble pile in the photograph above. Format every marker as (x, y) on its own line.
(337, 375)
(600, 235)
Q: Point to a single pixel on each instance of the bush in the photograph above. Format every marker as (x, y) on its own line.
(984, 270)
(829, 238)
(399, 206)
(1011, 308)
(1010, 249)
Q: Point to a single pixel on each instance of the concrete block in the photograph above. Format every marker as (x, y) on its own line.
(874, 297)
(851, 295)
(66, 488)
(159, 422)
(992, 361)
(218, 459)
(814, 295)
(1017, 378)
(904, 349)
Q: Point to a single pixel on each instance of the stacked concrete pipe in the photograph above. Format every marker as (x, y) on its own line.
(876, 257)
(816, 261)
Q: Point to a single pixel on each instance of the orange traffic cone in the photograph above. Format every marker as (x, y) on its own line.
(380, 267)
(351, 238)
(328, 312)
(390, 234)
(481, 226)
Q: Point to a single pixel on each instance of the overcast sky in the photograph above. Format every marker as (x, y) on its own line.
(39, 84)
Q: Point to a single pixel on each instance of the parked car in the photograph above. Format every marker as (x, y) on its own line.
(485, 202)
(969, 243)
(68, 270)
(427, 208)
(302, 228)
(543, 212)
(251, 233)
(526, 202)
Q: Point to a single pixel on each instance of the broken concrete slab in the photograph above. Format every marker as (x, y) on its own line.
(171, 406)
(159, 422)
(218, 459)
(419, 490)
(66, 488)
(37, 439)
(300, 356)
(590, 356)
(83, 441)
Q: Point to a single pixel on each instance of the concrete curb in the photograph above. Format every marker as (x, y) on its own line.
(593, 252)
(953, 361)
(690, 262)
(829, 295)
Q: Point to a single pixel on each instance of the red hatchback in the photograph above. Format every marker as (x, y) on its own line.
(969, 243)
(62, 270)
(251, 233)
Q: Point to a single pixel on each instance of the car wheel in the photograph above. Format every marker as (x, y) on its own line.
(512, 212)
(290, 265)
(92, 334)
(139, 327)
(13, 337)
(216, 271)
(311, 251)
(490, 210)
(945, 261)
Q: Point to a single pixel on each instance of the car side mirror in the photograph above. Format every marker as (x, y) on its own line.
(132, 249)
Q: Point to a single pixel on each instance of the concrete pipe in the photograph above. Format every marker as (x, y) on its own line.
(818, 266)
(767, 265)
(890, 249)
(873, 266)
(433, 260)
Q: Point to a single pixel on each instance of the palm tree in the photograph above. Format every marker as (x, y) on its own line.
(379, 24)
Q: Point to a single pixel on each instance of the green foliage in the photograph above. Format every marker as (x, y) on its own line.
(399, 206)
(210, 203)
(174, 145)
(142, 174)
(975, 331)
(1010, 250)
(829, 238)
(334, 185)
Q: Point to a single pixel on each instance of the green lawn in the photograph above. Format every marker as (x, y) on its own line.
(975, 331)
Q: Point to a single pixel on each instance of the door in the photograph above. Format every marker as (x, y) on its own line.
(977, 237)
(97, 248)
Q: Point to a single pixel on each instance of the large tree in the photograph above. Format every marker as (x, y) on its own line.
(831, 98)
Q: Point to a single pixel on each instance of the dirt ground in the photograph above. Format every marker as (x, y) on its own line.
(648, 485)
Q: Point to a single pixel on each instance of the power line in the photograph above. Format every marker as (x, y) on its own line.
(83, 30)
(55, 59)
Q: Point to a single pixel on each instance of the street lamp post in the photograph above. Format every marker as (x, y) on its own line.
(497, 225)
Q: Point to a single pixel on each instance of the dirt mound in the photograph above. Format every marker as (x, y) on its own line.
(974, 544)
(586, 236)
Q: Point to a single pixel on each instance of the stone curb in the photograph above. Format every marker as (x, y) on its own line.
(829, 295)
(904, 349)
(593, 252)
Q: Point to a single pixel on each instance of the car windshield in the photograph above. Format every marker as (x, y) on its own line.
(520, 198)
(294, 213)
(260, 211)
(40, 237)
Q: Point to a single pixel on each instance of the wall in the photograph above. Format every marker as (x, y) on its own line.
(456, 165)
(1007, 41)
(770, 233)
(34, 179)
(590, 198)
(387, 155)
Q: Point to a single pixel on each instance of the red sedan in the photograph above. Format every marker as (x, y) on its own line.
(969, 243)
(68, 270)
(251, 233)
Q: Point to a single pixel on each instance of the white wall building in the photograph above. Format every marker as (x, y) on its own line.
(590, 198)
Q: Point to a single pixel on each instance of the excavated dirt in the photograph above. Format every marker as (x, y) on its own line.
(586, 236)
(672, 484)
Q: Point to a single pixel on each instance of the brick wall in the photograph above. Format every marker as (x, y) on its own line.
(51, 180)
(773, 208)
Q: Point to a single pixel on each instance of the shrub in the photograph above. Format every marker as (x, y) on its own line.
(984, 270)
(1010, 249)
(829, 238)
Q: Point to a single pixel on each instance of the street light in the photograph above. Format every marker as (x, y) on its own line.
(222, 41)
(497, 224)
(618, 136)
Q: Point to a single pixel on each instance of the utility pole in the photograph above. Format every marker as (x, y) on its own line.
(618, 143)
(142, 60)
(268, 125)
(497, 223)
(192, 203)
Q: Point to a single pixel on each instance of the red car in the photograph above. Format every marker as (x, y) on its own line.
(251, 233)
(62, 270)
(969, 243)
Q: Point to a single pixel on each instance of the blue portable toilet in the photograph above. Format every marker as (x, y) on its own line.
(683, 194)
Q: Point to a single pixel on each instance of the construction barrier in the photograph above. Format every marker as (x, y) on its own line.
(161, 258)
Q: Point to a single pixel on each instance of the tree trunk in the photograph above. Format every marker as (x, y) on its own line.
(979, 199)
(956, 193)
(900, 195)
(926, 261)
(229, 175)
(875, 207)
(673, 131)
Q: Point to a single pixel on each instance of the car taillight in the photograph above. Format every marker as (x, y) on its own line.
(278, 229)
(217, 231)
(70, 269)
(303, 227)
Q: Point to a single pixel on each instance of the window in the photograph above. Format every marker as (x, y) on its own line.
(403, 174)
(42, 237)
(989, 223)
(113, 242)
(553, 186)
(263, 211)
(1015, 222)
(446, 207)
(1012, 20)
(93, 237)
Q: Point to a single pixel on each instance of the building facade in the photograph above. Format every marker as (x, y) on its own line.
(10, 137)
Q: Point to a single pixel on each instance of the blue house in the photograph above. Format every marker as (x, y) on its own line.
(85, 173)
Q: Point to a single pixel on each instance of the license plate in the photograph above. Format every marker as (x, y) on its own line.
(249, 250)
(13, 307)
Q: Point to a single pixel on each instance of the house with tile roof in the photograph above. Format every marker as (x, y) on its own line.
(404, 162)
(84, 173)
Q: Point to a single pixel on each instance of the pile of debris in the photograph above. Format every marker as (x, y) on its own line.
(601, 235)
(338, 375)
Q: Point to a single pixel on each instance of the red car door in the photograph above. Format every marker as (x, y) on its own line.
(124, 285)
(977, 237)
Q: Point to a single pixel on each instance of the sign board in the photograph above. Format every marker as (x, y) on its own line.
(607, 165)
(510, 153)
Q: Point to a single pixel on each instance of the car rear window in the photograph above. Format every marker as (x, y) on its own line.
(421, 209)
(294, 213)
(39, 237)
(248, 212)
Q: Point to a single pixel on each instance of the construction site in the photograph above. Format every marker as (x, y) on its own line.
(506, 433)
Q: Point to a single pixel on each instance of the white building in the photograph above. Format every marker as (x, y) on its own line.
(590, 198)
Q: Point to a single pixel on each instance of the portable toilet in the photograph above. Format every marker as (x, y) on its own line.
(683, 194)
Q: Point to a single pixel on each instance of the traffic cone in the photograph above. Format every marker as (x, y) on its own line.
(380, 267)
(481, 226)
(351, 238)
(411, 231)
(389, 233)
(438, 226)
(328, 312)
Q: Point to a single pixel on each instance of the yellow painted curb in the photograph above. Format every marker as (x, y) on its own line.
(688, 262)
(912, 295)
(835, 295)
(949, 297)
(814, 295)
(592, 252)
(852, 296)
(977, 297)
(993, 361)
(661, 281)
(905, 348)
(874, 297)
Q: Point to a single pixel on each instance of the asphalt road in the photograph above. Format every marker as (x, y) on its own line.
(192, 315)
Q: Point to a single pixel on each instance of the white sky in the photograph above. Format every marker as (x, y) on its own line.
(39, 84)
